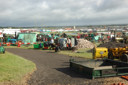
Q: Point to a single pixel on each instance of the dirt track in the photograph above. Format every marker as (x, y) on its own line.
(53, 69)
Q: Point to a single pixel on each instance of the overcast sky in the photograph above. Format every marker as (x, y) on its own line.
(62, 12)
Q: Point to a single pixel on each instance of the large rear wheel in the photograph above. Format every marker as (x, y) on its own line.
(110, 56)
(124, 58)
(3, 51)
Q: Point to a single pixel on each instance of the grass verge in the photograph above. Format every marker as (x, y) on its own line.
(14, 68)
(23, 46)
(85, 53)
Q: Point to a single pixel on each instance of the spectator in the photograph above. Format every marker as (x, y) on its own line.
(52, 43)
(1, 41)
(68, 43)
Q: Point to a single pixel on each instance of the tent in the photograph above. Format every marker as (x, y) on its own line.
(27, 37)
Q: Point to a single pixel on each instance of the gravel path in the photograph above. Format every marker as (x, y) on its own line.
(53, 69)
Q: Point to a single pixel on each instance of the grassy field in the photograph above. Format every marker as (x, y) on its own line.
(23, 46)
(85, 53)
(14, 68)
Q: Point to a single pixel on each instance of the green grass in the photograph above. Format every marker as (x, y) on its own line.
(81, 53)
(85, 52)
(23, 46)
(97, 44)
(27, 47)
(14, 68)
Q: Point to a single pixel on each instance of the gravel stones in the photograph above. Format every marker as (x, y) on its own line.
(83, 43)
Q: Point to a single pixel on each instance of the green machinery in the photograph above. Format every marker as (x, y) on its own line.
(37, 46)
(2, 49)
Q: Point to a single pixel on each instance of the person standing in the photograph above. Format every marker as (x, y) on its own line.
(52, 43)
(1, 41)
(68, 43)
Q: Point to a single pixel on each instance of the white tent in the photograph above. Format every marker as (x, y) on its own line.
(11, 31)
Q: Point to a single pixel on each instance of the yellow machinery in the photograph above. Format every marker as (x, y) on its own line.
(120, 53)
(100, 52)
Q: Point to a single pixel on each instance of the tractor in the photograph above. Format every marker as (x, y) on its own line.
(120, 53)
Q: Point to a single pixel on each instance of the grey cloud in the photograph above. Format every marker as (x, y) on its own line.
(111, 5)
(62, 12)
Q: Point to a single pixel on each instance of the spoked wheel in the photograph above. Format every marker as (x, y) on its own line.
(110, 56)
(57, 49)
(4, 51)
(93, 53)
(124, 58)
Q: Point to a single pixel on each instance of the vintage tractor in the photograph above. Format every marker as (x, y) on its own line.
(120, 53)
(100, 52)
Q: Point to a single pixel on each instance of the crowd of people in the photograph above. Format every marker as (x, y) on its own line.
(57, 41)
(62, 41)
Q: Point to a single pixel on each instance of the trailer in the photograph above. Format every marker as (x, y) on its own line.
(99, 68)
